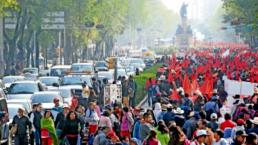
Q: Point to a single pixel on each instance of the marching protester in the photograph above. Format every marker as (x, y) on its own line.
(20, 125)
(48, 125)
(187, 105)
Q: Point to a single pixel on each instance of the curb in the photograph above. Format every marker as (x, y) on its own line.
(143, 101)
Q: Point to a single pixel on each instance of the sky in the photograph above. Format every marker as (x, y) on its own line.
(197, 9)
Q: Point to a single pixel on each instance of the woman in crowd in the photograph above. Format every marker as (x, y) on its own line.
(151, 139)
(162, 133)
(47, 123)
(72, 128)
(127, 123)
(178, 137)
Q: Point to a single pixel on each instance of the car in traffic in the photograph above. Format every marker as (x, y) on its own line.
(71, 80)
(60, 70)
(4, 124)
(25, 103)
(82, 68)
(46, 98)
(101, 66)
(8, 80)
(33, 71)
(87, 79)
(138, 63)
(109, 75)
(67, 92)
(50, 81)
(24, 89)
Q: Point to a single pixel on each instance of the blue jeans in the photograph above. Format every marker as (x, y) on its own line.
(37, 137)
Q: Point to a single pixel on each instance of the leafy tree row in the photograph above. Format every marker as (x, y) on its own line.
(243, 15)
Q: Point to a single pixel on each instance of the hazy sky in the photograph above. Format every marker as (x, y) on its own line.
(197, 9)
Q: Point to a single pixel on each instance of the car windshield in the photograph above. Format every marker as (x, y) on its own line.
(65, 93)
(23, 88)
(12, 111)
(87, 80)
(49, 81)
(72, 81)
(82, 68)
(24, 104)
(58, 71)
(107, 75)
(137, 61)
(30, 70)
(100, 64)
(121, 73)
(10, 79)
(42, 98)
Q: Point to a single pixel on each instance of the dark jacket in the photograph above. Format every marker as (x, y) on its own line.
(60, 120)
(169, 116)
(22, 123)
(71, 127)
(255, 130)
(36, 120)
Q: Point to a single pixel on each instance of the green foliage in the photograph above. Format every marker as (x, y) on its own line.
(7, 5)
(141, 80)
(246, 13)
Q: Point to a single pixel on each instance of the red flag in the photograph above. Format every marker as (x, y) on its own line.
(187, 85)
(174, 95)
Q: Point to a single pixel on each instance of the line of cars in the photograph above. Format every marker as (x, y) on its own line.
(61, 82)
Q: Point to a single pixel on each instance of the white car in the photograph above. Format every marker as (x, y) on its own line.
(24, 89)
(46, 98)
(25, 103)
(13, 110)
(50, 81)
(8, 80)
(66, 92)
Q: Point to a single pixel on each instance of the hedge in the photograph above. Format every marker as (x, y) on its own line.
(141, 80)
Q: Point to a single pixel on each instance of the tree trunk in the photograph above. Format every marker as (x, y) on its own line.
(2, 64)
(37, 50)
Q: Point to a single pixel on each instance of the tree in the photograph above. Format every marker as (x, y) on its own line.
(4, 5)
(243, 15)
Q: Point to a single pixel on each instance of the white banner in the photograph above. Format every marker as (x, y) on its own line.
(233, 87)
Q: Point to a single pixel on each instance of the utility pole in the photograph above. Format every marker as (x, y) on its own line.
(2, 64)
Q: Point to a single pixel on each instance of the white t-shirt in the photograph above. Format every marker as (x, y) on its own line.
(222, 141)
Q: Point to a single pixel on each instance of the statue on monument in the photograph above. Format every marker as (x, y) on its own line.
(183, 10)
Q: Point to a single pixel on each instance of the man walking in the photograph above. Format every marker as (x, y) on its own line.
(21, 122)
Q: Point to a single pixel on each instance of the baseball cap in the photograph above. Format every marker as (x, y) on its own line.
(241, 133)
(214, 116)
(56, 99)
(240, 122)
(65, 105)
(201, 133)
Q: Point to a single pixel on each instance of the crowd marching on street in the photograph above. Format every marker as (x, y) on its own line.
(186, 104)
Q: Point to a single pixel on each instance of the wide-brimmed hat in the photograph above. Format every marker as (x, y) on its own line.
(191, 114)
(241, 133)
(255, 121)
(164, 107)
(201, 133)
(178, 111)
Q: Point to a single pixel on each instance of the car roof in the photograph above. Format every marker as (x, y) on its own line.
(13, 77)
(46, 92)
(87, 63)
(71, 87)
(17, 100)
(49, 77)
(61, 66)
(14, 105)
(25, 81)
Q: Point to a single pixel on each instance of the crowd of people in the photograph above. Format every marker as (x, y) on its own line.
(187, 105)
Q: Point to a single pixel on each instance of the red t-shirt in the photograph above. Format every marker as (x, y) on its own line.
(151, 142)
(227, 123)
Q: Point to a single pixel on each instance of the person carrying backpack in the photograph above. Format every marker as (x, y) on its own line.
(211, 106)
